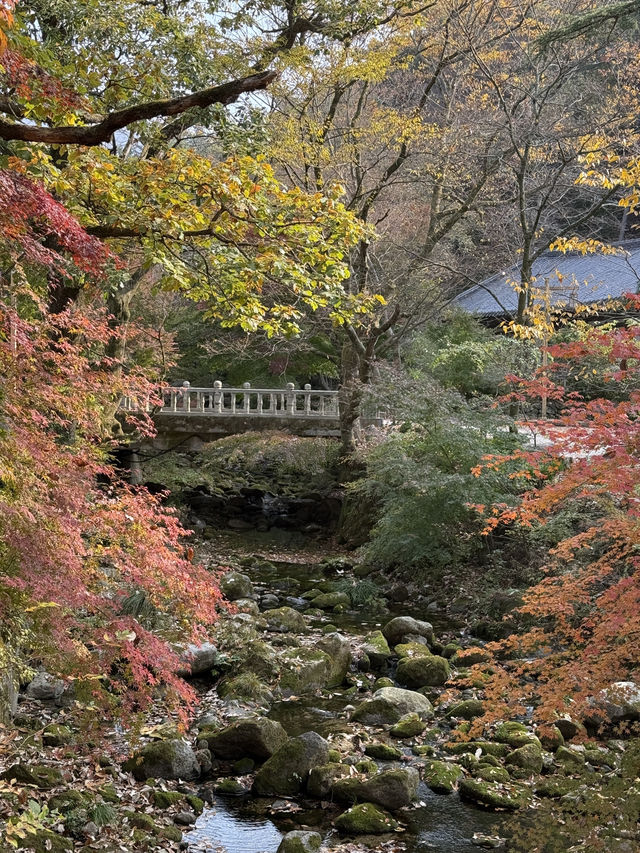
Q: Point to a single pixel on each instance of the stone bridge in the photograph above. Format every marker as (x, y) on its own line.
(208, 413)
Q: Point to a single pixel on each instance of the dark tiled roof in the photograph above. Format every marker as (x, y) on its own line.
(584, 279)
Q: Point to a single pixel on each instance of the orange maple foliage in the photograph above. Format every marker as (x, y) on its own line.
(585, 613)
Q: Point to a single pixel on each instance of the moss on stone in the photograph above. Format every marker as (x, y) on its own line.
(469, 709)
(170, 833)
(491, 774)
(230, 788)
(497, 795)
(555, 787)
(45, 841)
(109, 794)
(423, 671)
(366, 766)
(411, 725)
(515, 734)
(412, 650)
(527, 757)
(383, 752)
(244, 766)
(166, 799)
(247, 685)
(56, 735)
(197, 804)
(67, 800)
(365, 819)
(383, 682)
(571, 760)
(39, 775)
(442, 776)
(500, 750)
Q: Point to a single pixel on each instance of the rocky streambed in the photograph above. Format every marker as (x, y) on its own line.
(329, 719)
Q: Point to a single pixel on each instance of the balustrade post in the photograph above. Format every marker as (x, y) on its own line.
(307, 399)
(290, 398)
(217, 397)
(246, 401)
(186, 396)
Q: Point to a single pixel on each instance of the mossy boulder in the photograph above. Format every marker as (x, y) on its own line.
(285, 620)
(235, 585)
(166, 799)
(551, 738)
(45, 841)
(431, 671)
(496, 795)
(304, 670)
(321, 778)
(377, 650)
(109, 794)
(469, 709)
(412, 650)
(491, 774)
(170, 833)
(527, 757)
(300, 841)
(515, 734)
(246, 686)
(67, 800)
(164, 759)
(379, 683)
(39, 775)
(256, 737)
(405, 626)
(499, 750)
(56, 735)
(231, 788)
(382, 752)
(469, 657)
(261, 659)
(330, 600)
(572, 760)
(555, 787)
(365, 819)
(391, 789)
(569, 728)
(410, 725)
(389, 704)
(286, 772)
(442, 776)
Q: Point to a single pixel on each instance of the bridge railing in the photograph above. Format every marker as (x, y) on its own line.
(288, 402)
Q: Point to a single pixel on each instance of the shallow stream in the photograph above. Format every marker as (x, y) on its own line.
(438, 823)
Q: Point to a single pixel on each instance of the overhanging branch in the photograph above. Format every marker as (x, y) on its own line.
(96, 134)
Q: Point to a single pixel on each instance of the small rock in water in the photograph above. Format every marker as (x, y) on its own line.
(488, 842)
(184, 818)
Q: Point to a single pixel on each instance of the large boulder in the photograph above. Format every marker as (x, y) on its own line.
(389, 704)
(45, 687)
(163, 759)
(257, 737)
(497, 795)
(424, 671)
(300, 841)
(285, 620)
(285, 773)
(619, 701)
(405, 626)
(235, 585)
(391, 789)
(197, 660)
(322, 778)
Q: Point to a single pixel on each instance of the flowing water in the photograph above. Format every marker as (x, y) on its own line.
(437, 824)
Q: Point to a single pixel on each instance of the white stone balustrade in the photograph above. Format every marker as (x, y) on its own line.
(287, 402)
